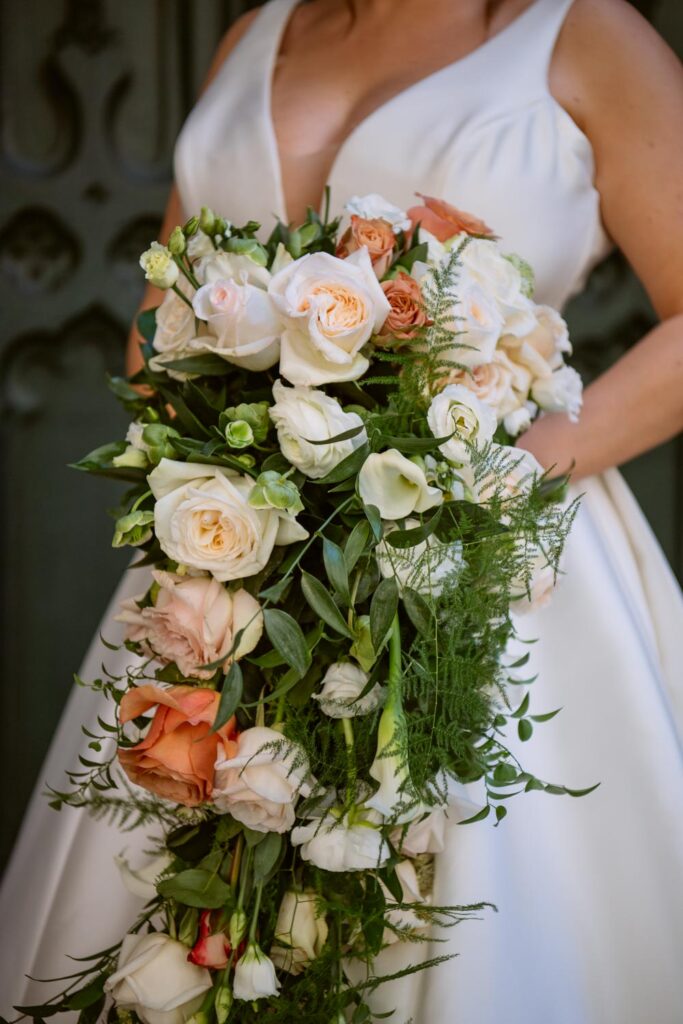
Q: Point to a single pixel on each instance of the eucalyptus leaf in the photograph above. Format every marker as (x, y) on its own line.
(335, 567)
(346, 468)
(416, 535)
(382, 611)
(287, 638)
(205, 365)
(322, 603)
(418, 611)
(231, 695)
(356, 544)
(346, 435)
(266, 856)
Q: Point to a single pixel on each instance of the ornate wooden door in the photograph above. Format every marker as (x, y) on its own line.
(94, 92)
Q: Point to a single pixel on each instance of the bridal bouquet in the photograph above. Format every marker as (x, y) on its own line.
(337, 529)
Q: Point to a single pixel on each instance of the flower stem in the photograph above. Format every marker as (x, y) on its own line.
(254, 916)
(352, 767)
(182, 296)
(395, 659)
(236, 860)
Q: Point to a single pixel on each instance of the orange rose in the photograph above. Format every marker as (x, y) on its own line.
(376, 234)
(177, 756)
(407, 312)
(443, 220)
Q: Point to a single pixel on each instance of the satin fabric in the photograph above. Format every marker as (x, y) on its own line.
(590, 906)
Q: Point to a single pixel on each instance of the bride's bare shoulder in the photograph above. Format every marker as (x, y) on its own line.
(604, 48)
(230, 41)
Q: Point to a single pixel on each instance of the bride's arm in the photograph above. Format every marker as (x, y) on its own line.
(624, 87)
(174, 212)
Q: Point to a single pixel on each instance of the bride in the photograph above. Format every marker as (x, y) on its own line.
(554, 121)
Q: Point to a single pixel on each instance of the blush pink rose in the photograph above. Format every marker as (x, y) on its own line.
(193, 622)
(444, 221)
(212, 948)
(407, 312)
(176, 758)
(376, 234)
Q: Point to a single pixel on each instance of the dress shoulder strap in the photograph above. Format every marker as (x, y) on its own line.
(540, 26)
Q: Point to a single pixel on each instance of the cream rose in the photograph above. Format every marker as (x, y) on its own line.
(154, 979)
(175, 330)
(303, 414)
(395, 485)
(353, 842)
(458, 411)
(331, 308)
(227, 266)
(243, 325)
(193, 622)
(501, 280)
(260, 784)
(502, 384)
(341, 688)
(425, 567)
(300, 931)
(426, 835)
(203, 519)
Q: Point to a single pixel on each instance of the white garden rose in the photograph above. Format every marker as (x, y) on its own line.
(331, 307)
(352, 842)
(227, 266)
(341, 687)
(243, 326)
(501, 281)
(548, 338)
(160, 268)
(519, 420)
(424, 567)
(255, 976)
(561, 391)
(300, 931)
(175, 330)
(154, 978)
(193, 621)
(373, 206)
(203, 519)
(260, 784)
(458, 411)
(396, 486)
(535, 592)
(199, 245)
(303, 414)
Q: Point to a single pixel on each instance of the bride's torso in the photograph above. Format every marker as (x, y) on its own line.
(483, 132)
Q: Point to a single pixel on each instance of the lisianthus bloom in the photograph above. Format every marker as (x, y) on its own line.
(376, 234)
(444, 221)
(343, 842)
(212, 948)
(255, 976)
(176, 758)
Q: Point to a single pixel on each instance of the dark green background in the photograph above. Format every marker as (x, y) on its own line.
(93, 95)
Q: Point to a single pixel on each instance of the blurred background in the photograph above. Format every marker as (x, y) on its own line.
(93, 94)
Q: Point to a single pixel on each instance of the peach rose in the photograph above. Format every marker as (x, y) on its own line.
(444, 221)
(193, 622)
(176, 758)
(376, 234)
(407, 312)
(501, 383)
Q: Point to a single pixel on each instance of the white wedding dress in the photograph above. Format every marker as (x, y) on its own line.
(589, 891)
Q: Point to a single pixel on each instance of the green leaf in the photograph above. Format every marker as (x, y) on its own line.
(356, 544)
(275, 592)
(323, 604)
(346, 468)
(196, 888)
(374, 518)
(206, 365)
(345, 436)
(287, 638)
(335, 567)
(418, 252)
(500, 814)
(147, 323)
(190, 842)
(546, 717)
(418, 611)
(504, 774)
(409, 538)
(382, 610)
(266, 855)
(415, 445)
(523, 708)
(581, 792)
(88, 995)
(479, 816)
(524, 729)
(231, 695)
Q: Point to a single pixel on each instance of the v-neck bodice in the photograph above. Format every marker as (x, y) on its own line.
(483, 132)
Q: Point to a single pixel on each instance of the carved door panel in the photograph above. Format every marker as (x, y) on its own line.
(94, 92)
